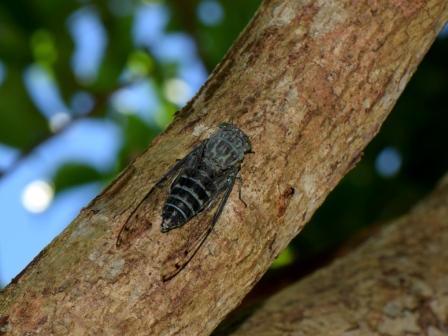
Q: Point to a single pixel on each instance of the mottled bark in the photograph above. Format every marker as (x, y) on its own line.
(395, 284)
(311, 83)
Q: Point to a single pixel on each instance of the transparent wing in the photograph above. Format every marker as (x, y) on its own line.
(138, 221)
(196, 234)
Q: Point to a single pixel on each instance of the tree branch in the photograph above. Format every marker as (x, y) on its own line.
(310, 83)
(395, 284)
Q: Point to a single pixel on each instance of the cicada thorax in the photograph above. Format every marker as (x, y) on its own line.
(224, 151)
(189, 194)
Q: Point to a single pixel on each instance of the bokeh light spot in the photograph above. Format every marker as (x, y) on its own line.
(149, 23)
(81, 103)
(138, 98)
(177, 91)
(37, 196)
(90, 38)
(59, 120)
(210, 12)
(2, 72)
(388, 162)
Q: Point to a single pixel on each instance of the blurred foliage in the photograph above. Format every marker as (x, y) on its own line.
(35, 33)
(213, 41)
(137, 136)
(72, 174)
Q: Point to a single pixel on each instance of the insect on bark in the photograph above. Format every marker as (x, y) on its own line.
(201, 180)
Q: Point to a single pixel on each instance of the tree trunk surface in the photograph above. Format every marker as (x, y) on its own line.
(310, 82)
(395, 284)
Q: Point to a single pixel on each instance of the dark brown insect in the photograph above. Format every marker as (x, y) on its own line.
(201, 180)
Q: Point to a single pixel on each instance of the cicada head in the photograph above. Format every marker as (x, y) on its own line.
(236, 136)
(226, 147)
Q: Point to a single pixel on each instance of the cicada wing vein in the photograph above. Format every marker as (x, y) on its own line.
(139, 220)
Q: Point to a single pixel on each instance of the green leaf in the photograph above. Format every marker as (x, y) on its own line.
(137, 136)
(73, 174)
(285, 258)
(21, 125)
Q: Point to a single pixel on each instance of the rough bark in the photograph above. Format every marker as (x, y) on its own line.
(395, 284)
(310, 82)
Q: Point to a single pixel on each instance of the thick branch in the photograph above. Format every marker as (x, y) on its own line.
(311, 83)
(396, 284)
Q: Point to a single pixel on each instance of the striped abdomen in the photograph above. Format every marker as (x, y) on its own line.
(190, 193)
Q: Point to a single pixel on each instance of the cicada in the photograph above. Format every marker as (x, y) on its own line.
(201, 180)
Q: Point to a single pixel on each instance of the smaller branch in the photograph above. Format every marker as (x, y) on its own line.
(393, 284)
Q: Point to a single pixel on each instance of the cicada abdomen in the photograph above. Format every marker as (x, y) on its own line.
(190, 193)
